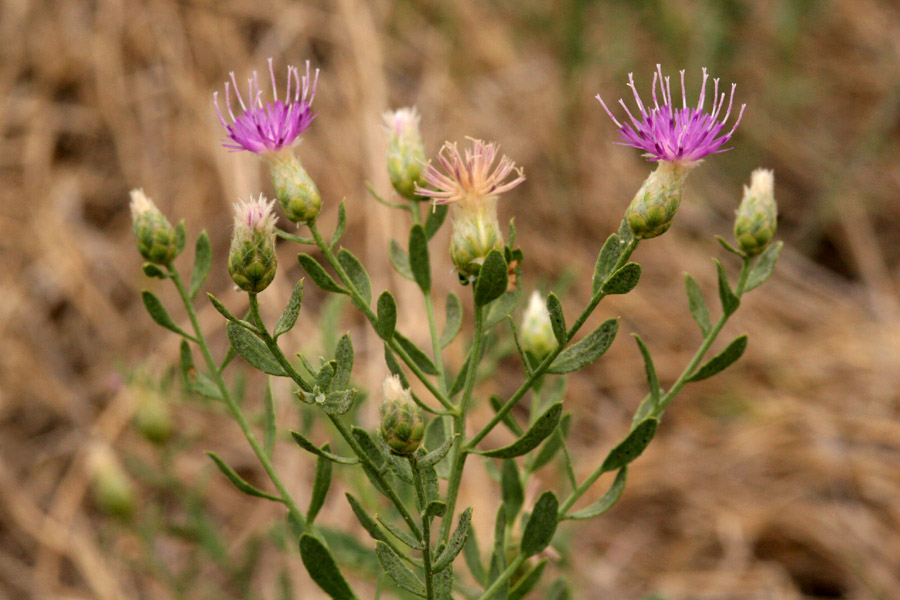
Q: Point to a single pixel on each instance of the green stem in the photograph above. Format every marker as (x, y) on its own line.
(272, 345)
(458, 459)
(502, 578)
(426, 528)
(235, 410)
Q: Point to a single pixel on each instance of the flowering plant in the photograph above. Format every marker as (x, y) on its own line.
(424, 436)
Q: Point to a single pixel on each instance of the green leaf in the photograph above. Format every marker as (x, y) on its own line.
(645, 409)
(443, 584)
(722, 360)
(502, 307)
(343, 356)
(318, 274)
(511, 487)
(453, 322)
(365, 519)
(399, 572)
(289, 317)
(270, 428)
(400, 261)
(291, 237)
(252, 349)
(221, 308)
(696, 304)
(554, 443)
(557, 320)
(420, 358)
(400, 534)
(437, 455)
(340, 227)
(435, 219)
(492, 279)
(472, 556)
(632, 446)
(321, 483)
(435, 508)
(368, 445)
(180, 237)
(386, 321)
(419, 261)
(357, 274)
(625, 234)
(460, 380)
(336, 403)
(764, 267)
(310, 447)
(541, 524)
(323, 569)
(151, 270)
(606, 260)
(606, 502)
(649, 369)
(527, 582)
(724, 243)
(539, 430)
(624, 280)
(507, 419)
(730, 302)
(587, 350)
(456, 542)
(202, 263)
(325, 375)
(435, 437)
(239, 482)
(158, 313)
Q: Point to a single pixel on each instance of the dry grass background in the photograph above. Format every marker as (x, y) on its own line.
(779, 479)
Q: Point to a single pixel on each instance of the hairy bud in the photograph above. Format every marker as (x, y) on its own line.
(405, 152)
(402, 426)
(113, 490)
(252, 260)
(295, 190)
(537, 331)
(757, 216)
(156, 238)
(653, 208)
(476, 232)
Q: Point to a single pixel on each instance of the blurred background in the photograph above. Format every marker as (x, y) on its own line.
(778, 479)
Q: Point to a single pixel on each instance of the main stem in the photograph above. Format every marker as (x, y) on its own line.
(232, 405)
(502, 578)
(426, 528)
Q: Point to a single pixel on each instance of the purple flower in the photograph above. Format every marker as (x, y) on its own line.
(678, 135)
(269, 127)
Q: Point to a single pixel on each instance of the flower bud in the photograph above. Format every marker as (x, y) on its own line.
(402, 426)
(113, 490)
(152, 418)
(252, 260)
(405, 152)
(653, 208)
(156, 238)
(476, 232)
(295, 190)
(756, 220)
(537, 331)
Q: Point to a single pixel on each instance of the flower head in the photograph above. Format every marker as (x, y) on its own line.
(471, 178)
(537, 329)
(405, 152)
(402, 425)
(157, 240)
(403, 125)
(679, 135)
(269, 127)
(252, 260)
(757, 216)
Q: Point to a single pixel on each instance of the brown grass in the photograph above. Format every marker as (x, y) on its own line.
(779, 479)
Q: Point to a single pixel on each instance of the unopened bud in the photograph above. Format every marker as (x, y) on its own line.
(405, 152)
(156, 238)
(153, 417)
(252, 260)
(112, 488)
(402, 426)
(653, 208)
(295, 190)
(757, 216)
(475, 233)
(537, 330)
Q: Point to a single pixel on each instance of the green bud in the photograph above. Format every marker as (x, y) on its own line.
(402, 426)
(112, 488)
(156, 238)
(152, 418)
(475, 233)
(252, 260)
(757, 216)
(295, 190)
(405, 152)
(653, 208)
(537, 331)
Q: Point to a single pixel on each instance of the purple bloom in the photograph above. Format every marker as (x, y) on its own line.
(679, 135)
(269, 127)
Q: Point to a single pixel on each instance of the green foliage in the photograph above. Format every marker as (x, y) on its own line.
(289, 317)
(541, 524)
(252, 349)
(764, 266)
(624, 280)
(492, 279)
(239, 482)
(557, 320)
(323, 569)
(386, 320)
(202, 264)
(159, 314)
(419, 261)
(606, 261)
(607, 501)
(532, 438)
(587, 350)
(721, 361)
(696, 304)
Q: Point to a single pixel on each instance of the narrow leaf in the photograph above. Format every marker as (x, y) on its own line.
(764, 267)
(419, 261)
(340, 227)
(253, 350)
(587, 350)
(400, 261)
(399, 572)
(541, 524)
(472, 556)
(632, 446)
(420, 358)
(557, 320)
(539, 430)
(336, 403)
(606, 260)
(527, 582)
(368, 445)
(437, 455)
(696, 304)
(321, 483)
(357, 274)
(180, 237)
(624, 280)
(289, 317)
(435, 508)
(492, 279)
(607, 501)
(386, 320)
(158, 313)
(400, 534)
(730, 302)
(453, 322)
(649, 369)
(511, 487)
(297, 239)
(365, 519)
(202, 264)
(435, 219)
(151, 270)
(318, 274)
(507, 419)
(722, 360)
(221, 308)
(504, 305)
(323, 569)
(269, 429)
(724, 243)
(554, 443)
(343, 356)
(310, 447)
(239, 482)
(456, 543)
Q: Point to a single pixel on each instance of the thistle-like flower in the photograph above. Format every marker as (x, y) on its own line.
(402, 425)
(156, 238)
(757, 217)
(405, 151)
(252, 260)
(472, 185)
(678, 139)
